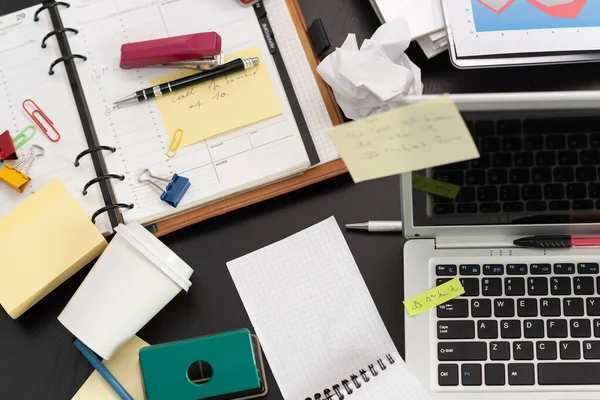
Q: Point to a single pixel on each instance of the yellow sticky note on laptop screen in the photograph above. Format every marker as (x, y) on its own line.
(408, 138)
(221, 105)
(43, 241)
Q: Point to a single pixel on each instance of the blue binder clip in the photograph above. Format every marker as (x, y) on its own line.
(173, 192)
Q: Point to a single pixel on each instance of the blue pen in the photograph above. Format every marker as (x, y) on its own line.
(102, 370)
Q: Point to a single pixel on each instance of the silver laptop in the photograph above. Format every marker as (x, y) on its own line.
(528, 325)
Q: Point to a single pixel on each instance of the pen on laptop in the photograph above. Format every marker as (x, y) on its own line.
(155, 91)
(102, 370)
(377, 226)
(557, 241)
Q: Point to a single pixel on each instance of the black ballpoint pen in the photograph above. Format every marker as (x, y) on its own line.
(167, 87)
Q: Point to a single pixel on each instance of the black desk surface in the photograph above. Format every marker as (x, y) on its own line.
(37, 356)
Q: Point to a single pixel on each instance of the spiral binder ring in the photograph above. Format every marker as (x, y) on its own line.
(108, 208)
(101, 178)
(62, 59)
(56, 32)
(354, 383)
(91, 150)
(46, 6)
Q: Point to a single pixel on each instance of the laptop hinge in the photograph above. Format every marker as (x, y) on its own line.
(470, 242)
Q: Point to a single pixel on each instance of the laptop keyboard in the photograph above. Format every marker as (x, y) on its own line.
(528, 165)
(518, 324)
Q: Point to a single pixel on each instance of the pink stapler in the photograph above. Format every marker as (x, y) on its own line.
(200, 51)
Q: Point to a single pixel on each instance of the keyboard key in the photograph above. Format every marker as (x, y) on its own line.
(588, 268)
(536, 206)
(448, 374)
(557, 328)
(540, 269)
(513, 207)
(594, 190)
(527, 308)
(466, 195)
(509, 127)
(568, 373)
(484, 128)
(560, 286)
(510, 329)
(457, 308)
(533, 328)
(471, 286)
(490, 144)
(455, 177)
(591, 350)
(523, 159)
(487, 329)
(583, 285)
(441, 281)
(533, 143)
(583, 205)
(475, 177)
(471, 374)
(468, 208)
(576, 191)
(567, 158)
(556, 142)
(512, 144)
(491, 287)
(511, 193)
(595, 140)
(545, 159)
(589, 157)
(573, 307)
(541, 175)
(462, 351)
(495, 375)
(445, 270)
(456, 330)
(537, 286)
(550, 307)
(521, 374)
(531, 192)
(581, 328)
(443, 209)
(489, 207)
(502, 160)
(493, 269)
(487, 193)
(593, 306)
(497, 177)
(564, 269)
(564, 174)
(554, 191)
(514, 286)
(519, 175)
(585, 174)
(499, 351)
(516, 269)
(481, 308)
(577, 141)
(560, 205)
(597, 328)
(504, 308)
(569, 350)
(482, 162)
(469, 269)
(546, 350)
(523, 350)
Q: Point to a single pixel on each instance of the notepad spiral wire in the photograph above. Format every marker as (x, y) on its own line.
(347, 387)
(101, 175)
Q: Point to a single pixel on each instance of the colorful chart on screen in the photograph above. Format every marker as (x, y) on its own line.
(509, 27)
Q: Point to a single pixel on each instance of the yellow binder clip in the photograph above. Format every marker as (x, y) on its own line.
(16, 177)
(175, 143)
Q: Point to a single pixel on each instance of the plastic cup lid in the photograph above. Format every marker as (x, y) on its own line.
(157, 252)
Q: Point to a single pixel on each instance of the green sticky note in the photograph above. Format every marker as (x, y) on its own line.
(431, 186)
(434, 297)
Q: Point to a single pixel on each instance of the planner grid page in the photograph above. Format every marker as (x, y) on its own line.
(317, 322)
(306, 88)
(24, 75)
(217, 167)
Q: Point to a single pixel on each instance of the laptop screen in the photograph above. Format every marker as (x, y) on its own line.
(535, 168)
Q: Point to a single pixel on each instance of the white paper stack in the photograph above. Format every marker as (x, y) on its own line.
(424, 18)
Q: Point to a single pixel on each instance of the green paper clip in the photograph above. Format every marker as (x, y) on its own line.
(22, 138)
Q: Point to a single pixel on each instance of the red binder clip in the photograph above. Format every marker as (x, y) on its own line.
(7, 147)
(32, 115)
(199, 51)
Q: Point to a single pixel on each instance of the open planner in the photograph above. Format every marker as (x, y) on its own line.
(82, 42)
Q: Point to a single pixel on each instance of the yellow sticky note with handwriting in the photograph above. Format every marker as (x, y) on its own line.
(221, 105)
(125, 366)
(434, 297)
(433, 186)
(408, 138)
(43, 241)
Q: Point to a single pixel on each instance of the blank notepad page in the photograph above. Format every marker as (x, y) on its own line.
(315, 317)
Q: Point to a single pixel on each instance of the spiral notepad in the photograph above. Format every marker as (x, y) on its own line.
(317, 323)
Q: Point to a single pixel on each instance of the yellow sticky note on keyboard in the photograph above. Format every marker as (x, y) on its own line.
(43, 241)
(432, 186)
(221, 105)
(434, 297)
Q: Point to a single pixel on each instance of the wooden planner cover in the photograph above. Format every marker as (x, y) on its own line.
(313, 175)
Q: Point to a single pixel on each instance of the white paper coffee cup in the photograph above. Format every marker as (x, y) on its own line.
(135, 277)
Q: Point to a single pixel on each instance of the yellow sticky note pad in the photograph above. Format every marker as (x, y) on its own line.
(434, 297)
(432, 186)
(125, 366)
(226, 103)
(43, 241)
(405, 139)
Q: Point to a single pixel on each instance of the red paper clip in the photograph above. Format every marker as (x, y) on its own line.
(39, 111)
